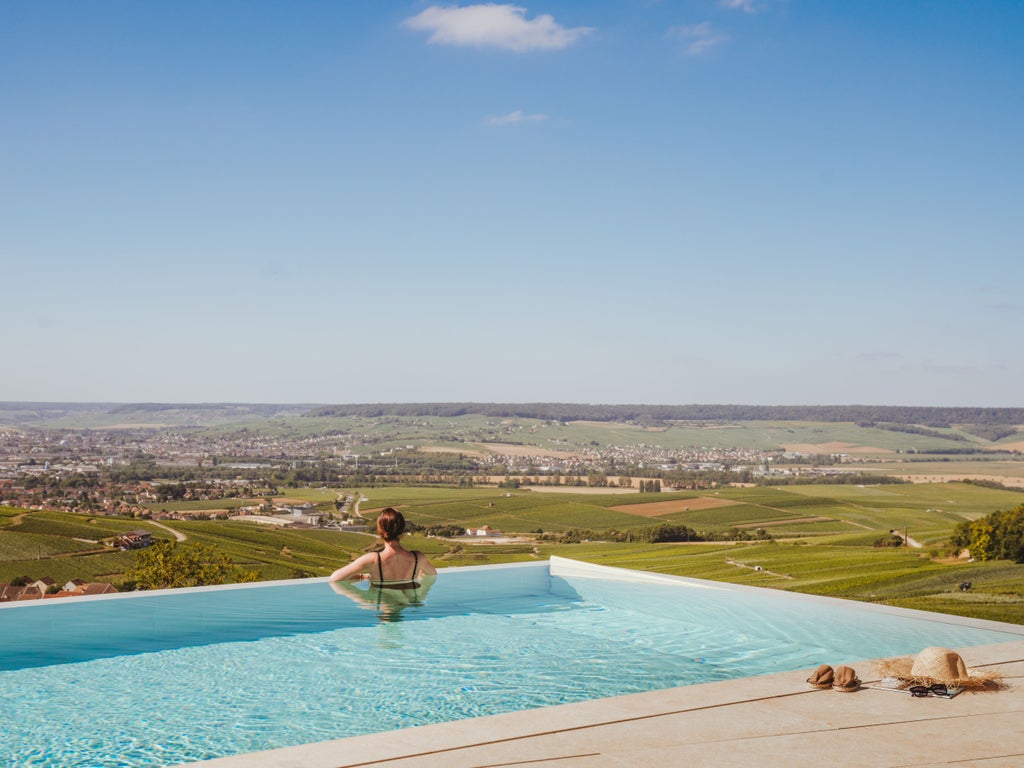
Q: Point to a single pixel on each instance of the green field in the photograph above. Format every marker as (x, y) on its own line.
(893, 576)
(823, 539)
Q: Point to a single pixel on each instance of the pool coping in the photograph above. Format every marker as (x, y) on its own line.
(768, 721)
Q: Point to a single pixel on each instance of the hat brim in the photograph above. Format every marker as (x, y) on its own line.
(902, 669)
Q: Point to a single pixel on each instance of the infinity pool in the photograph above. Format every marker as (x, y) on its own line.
(162, 678)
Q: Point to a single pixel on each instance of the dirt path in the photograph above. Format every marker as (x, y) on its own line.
(859, 525)
(178, 535)
(908, 540)
(757, 568)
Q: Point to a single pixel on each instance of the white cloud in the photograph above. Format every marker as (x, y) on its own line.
(494, 26)
(742, 5)
(699, 38)
(513, 118)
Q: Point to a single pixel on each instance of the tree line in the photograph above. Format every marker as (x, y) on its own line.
(882, 416)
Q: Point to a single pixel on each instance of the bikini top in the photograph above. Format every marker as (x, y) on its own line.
(410, 584)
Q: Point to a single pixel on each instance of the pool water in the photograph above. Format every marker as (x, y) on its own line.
(151, 679)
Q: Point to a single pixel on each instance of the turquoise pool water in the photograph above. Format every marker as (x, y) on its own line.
(152, 679)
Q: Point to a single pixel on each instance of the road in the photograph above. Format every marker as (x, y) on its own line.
(178, 535)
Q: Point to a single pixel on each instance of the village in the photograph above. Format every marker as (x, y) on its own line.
(133, 471)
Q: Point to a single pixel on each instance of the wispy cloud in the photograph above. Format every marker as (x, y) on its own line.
(946, 369)
(747, 6)
(494, 26)
(878, 356)
(699, 38)
(1005, 306)
(514, 118)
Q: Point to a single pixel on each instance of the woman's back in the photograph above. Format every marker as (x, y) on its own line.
(396, 566)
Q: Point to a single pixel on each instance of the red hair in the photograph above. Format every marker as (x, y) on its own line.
(390, 524)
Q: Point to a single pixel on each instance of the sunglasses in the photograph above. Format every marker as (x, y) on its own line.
(928, 690)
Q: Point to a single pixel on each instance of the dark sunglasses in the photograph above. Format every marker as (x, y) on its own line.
(929, 690)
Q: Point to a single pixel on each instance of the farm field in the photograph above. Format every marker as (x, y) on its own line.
(1006, 471)
(823, 538)
(899, 577)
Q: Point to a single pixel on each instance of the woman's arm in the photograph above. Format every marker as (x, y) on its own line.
(357, 566)
(426, 567)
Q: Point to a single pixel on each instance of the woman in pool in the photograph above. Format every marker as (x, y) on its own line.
(393, 567)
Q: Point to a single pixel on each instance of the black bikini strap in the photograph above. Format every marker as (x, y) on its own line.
(380, 568)
(415, 565)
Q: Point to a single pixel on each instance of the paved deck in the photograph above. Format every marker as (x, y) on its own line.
(761, 722)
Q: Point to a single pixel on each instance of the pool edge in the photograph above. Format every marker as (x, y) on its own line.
(771, 714)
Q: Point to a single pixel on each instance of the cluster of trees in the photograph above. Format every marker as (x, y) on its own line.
(910, 429)
(999, 536)
(889, 540)
(992, 432)
(983, 483)
(739, 534)
(49, 482)
(367, 480)
(168, 564)
(655, 534)
(844, 478)
(445, 531)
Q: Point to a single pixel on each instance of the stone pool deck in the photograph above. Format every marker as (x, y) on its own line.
(761, 722)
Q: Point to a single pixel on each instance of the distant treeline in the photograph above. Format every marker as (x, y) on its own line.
(884, 416)
(989, 423)
(222, 410)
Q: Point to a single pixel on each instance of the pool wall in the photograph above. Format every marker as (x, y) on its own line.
(43, 632)
(581, 571)
(58, 631)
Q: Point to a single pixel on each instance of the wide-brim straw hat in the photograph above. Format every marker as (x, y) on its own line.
(937, 665)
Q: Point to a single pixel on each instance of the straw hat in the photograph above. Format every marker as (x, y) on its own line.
(822, 677)
(937, 665)
(846, 680)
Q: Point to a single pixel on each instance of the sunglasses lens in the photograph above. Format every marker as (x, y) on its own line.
(919, 691)
(939, 689)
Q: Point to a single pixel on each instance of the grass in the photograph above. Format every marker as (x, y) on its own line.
(7, 514)
(898, 577)
(89, 527)
(278, 553)
(36, 546)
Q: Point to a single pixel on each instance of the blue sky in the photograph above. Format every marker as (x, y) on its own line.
(632, 201)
